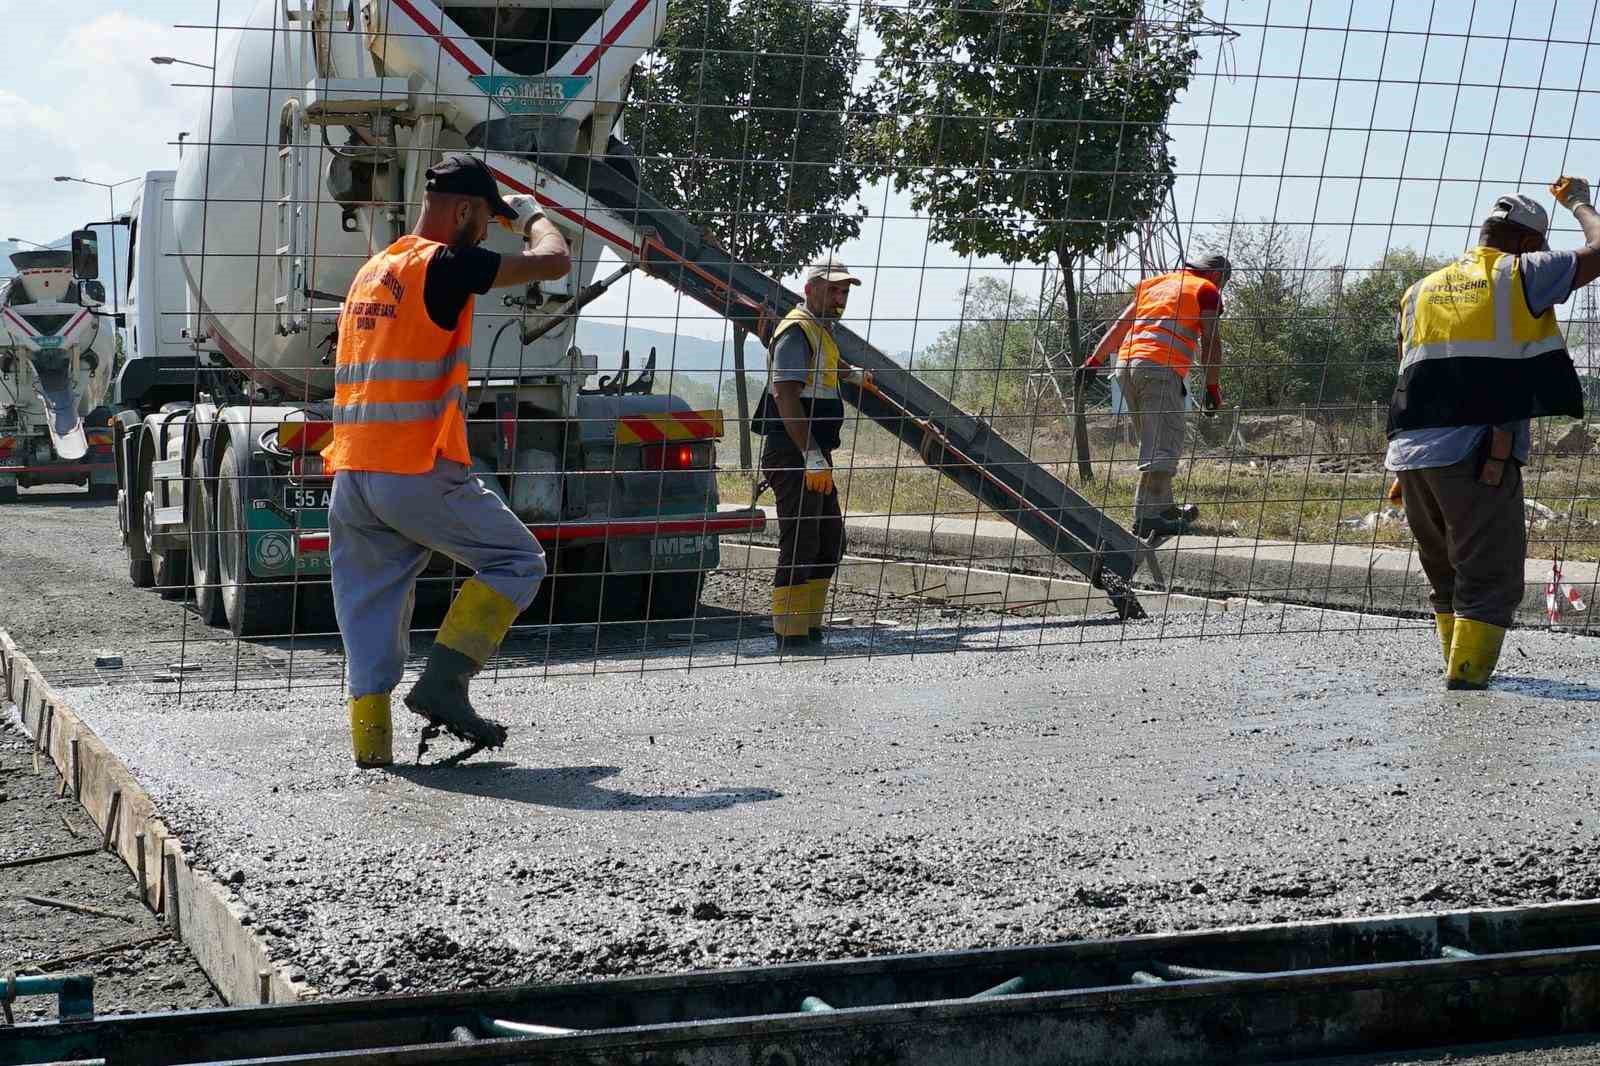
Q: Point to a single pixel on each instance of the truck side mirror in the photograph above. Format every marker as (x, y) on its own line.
(94, 291)
(85, 254)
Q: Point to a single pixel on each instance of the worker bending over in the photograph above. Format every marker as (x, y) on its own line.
(1172, 319)
(403, 488)
(801, 418)
(1481, 354)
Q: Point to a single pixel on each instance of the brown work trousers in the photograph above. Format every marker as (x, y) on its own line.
(1471, 538)
(810, 527)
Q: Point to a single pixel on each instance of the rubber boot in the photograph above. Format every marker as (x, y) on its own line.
(791, 607)
(476, 623)
(817, 606)
(1446, 624)
(1474, 650)
(371, 730)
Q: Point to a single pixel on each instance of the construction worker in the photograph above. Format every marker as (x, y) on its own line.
(801, 418)
(402, 488)
(1171, 319)
(1481, 354)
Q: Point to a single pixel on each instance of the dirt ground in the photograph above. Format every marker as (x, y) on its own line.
(136, 964)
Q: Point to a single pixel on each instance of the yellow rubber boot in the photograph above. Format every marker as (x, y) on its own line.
(477, 621)
(816, 606)
(1474, 650)
(472, 629)
(371, 732)
(1446, 624)
(790, 606)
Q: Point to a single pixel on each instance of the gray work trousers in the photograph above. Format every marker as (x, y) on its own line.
(1471, 538)
(382, 529)
(1155, 397)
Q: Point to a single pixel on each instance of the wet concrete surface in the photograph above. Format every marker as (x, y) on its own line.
(942, 780)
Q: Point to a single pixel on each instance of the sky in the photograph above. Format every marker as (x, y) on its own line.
(1370, 123)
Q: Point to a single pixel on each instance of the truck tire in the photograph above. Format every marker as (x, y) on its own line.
(200, 511)
(676, 596)
(169, 567)
(253, 608)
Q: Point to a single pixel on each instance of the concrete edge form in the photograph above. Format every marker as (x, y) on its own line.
(195, 904)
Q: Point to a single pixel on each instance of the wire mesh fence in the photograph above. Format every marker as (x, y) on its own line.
(998, 178)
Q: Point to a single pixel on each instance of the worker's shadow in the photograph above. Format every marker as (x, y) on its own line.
(1544, 688)
(568, 788)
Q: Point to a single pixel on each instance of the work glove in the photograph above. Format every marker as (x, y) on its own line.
(1572, 193)
(1213, 400)
(1396, 496)
(1082, 376)
(861, 379)
(527, 209)
(819, 475)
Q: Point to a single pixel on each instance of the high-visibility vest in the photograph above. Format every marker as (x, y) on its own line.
(823, 380)
(820, 393)
(400, 383)
(1472, 353)
(1166, 321)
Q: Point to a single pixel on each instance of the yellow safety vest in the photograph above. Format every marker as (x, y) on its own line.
(823, 380)
(1472, 353)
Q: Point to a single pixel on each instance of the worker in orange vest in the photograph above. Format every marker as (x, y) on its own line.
(403, 486)
(1171, 320)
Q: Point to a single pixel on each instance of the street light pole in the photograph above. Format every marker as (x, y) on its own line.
(167, 61)
(111, 215)
(24, 240)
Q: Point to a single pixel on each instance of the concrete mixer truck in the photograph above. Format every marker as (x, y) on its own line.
(311, 154)
(57, 354)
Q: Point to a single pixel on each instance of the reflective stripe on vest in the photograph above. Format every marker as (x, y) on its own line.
(400, 382)
(1166, 321)
(822, 380)
(1474, 308)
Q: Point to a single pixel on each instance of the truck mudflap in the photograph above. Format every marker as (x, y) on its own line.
(686, 534)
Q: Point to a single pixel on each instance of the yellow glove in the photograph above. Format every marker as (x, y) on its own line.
(527, 209)
(1572, 193)
(819, 475)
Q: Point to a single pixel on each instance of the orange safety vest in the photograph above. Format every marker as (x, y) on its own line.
(400, 383)
(1166, 321)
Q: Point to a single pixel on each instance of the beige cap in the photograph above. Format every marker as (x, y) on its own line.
(830, 268)
(1523, 210)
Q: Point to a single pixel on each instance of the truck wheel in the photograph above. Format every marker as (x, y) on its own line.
(676, 596)
(203, 544)
(169, 568)
(253, 608)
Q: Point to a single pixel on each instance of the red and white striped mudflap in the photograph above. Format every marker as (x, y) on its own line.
(1557, 593)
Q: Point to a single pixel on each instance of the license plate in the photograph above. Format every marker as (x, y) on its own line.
(302, 498)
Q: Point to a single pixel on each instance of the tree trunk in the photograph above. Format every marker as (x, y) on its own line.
(741, 392)
(1080, 421)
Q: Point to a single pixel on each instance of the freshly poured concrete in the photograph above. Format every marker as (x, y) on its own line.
(931, 798)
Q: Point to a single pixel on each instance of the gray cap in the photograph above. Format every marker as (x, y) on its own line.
(830, 268)
(1523, 210)
(1213, 261)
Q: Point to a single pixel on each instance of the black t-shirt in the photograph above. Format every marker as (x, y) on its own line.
(455, 275)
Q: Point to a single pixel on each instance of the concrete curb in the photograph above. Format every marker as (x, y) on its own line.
(1370, 579)
(194, 903)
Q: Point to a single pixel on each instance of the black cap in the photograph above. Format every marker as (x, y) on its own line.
(1214, 262)
(466, 175)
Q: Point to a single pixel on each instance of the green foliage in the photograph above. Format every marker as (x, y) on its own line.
(1027, 129)
(741, 119)
(982, 362)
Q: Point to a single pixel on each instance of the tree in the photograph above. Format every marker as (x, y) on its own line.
(983, 361)
(741, 119)
(1029, 129)
(1365, 317)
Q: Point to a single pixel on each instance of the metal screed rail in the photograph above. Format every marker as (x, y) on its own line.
(1254, 994)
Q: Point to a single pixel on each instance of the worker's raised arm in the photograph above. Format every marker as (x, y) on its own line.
(546, 257)
(1573, 194)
